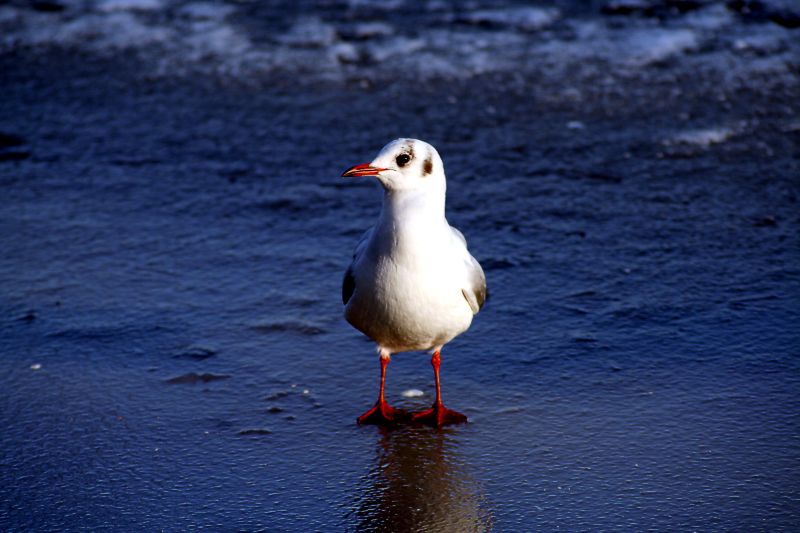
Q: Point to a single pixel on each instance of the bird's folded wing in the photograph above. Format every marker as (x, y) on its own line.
(362, 243)
(474, 290)
(349, 281)
(348, 285)
(459, 235)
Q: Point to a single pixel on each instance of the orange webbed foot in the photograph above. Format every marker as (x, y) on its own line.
(438, 416)
(382, 414)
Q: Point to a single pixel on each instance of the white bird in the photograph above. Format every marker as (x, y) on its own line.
(412, 284)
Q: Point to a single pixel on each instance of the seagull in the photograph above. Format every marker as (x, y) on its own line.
(412, 284)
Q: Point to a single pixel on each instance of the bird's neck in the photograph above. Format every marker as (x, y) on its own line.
(410, 209)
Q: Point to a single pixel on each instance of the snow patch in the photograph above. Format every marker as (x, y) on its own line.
(522, 18)
(9, 14)
(712, 18)
(110, 6)
(217, 41)
(394, 47)
(382, 5)
(206, 11)
(657, 45)
(370, 30)
(198, 35)
(114, 31)
(762, 44)
(309, 32)
(345, 53)
(703, 137)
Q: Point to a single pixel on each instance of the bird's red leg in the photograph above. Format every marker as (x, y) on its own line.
(382, 413)
(438, 415)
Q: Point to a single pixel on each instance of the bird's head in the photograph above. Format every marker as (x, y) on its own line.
(405, 165)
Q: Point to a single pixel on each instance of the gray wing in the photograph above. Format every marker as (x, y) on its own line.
(459, 235)
(349, 281)
(348, 285)
(475, 292)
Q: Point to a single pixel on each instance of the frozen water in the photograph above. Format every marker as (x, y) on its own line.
(174, 231)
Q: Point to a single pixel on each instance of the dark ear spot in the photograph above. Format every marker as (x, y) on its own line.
(428, 165)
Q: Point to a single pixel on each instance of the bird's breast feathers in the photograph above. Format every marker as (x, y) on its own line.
(411, 301)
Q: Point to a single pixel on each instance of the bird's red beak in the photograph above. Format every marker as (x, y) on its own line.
(362, 170)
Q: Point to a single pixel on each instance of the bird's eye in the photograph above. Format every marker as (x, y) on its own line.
(402, 160)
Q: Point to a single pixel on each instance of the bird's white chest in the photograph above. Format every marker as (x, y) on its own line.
(407, 296)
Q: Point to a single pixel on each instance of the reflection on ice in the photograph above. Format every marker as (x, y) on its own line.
(418, 483)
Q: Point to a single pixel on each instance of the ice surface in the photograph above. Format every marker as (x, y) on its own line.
(173, 249)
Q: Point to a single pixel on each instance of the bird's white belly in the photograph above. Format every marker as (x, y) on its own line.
(408, 307)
